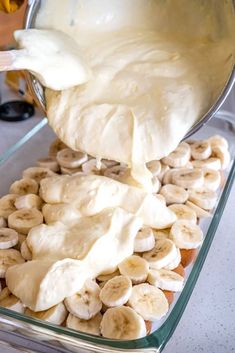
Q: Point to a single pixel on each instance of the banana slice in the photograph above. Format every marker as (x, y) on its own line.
(109, 163)
(29, 201)
(24, 187)
(188, 178)
(7, 205)
(155, 167)
(90, 167)
(50, 163)
(38, 173)
(174, 194)
(156, 185)
(55, 147)
(144, 240)
(164, 169)
(116, 291)
(188, 256)
(167, 178)
(115, 172)
(85, 304)
(21, 239)
(25, 251)
(62, 212)
(166, 280)
(122, 323)
(68, 158)
(212, 179)
(69, 171)
(161, 234)
(55, 315)
(218, 140)
(8, 258)
(134, 267)
(25, 219)
(8, 238)
(203, 197)
(162, 254)
(210, 163)
(174, 263)
(223, 155)
(201, 150)
(200, 212)
(184, 212)
(91, 326)
(186, 235)
(3, 222)
(104, 277)
(179, 157)
(9, 301)
(148, 301)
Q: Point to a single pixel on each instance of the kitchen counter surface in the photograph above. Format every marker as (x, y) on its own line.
(208, 323)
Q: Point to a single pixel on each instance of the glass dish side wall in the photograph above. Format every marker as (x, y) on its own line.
(32, 333)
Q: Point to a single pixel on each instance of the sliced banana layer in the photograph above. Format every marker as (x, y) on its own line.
(188, 178)
(155, 167)
(210, 163)
(144, 240)
(107, 276)
(212, 179)
(25, 219)
(116, 291)
(184, 212)
(122, 323)
(200, 212)
(166, 280)
(161, 234)
(218, 140)
(134, 267)
(3, 222)
(186, 235)
(68, 158)
(179, 157)
(29, 201)
(7, 205)
(204, 198)
(37, 173)
(55, 315)
(50, 163)
(91, 326)
(56, 146)
(9, 301)
(62, 212)
(92, 167)
(115, 172)
(148, 301)
(162, 254)
(223, 155)
(71, 171)
(174, 263)
(201, 150)
(26, 253)
(8, 258)
(85, 304)
(24, 187)
(8, 238)
(174, 194)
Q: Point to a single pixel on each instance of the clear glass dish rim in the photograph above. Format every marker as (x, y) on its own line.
(160, 337)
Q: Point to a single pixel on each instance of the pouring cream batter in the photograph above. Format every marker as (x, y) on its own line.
(157, 67)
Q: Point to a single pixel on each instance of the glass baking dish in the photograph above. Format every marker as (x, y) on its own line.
(31, 335)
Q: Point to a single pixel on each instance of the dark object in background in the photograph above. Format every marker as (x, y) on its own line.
(16, 111)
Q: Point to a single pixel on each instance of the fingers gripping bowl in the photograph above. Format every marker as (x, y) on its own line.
(162, 329)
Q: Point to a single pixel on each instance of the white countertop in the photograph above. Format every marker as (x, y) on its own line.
(208, 323)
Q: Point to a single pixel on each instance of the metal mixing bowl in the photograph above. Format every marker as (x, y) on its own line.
(38, 91)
